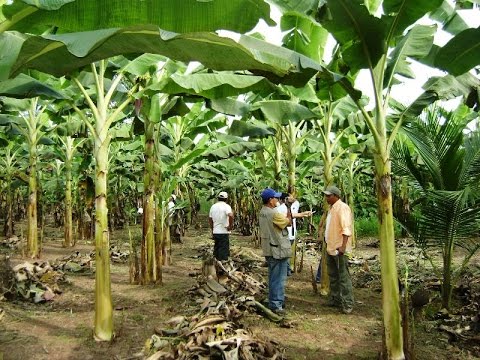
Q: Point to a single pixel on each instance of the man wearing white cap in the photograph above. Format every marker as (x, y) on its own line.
(221, 222)
(338, 232)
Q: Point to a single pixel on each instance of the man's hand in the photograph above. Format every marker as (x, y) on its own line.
(342, 249)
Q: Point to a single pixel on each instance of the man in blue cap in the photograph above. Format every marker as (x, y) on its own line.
(276, 247)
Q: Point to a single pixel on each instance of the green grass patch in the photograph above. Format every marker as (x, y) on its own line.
(368, 227)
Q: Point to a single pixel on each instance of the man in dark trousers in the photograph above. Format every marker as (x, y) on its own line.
(221, 223)
(338, 232)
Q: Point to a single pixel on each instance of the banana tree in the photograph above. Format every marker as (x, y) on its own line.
(8, 164)
(365, 42)
(66, 52)
(29, 119)
(447, 212)
(103, 114)
(67, 127)
(125, 170)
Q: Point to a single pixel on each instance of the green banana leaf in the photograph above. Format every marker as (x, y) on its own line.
(229, 106)
(63, 54)
(252, 129)
(24, 86)
(461, 53)
(283, 111)
(180, 16)
(365, 37)
(304, 35)
(416, 44)
(231, 146)
(214, 86)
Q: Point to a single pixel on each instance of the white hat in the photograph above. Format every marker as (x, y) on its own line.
(223, 195)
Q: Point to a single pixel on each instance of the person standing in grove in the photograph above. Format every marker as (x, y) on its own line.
(275, 247)
(288, 201)
(338, 232)
(221, 222)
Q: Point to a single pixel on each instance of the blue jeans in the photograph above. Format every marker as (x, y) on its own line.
(277, 276)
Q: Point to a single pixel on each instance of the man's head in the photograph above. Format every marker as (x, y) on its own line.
(270, 197)
(284, 197)
(222, 196)
(332, 194)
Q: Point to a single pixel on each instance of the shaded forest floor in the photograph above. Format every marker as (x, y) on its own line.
(62, 328)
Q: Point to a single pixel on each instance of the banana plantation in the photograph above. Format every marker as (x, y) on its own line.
(109, 109)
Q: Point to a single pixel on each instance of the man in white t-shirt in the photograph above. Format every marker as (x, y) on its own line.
(221, 222)
(174, 228)
(289, 201)
(170, 206)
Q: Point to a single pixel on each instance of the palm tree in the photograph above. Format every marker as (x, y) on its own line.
(446, 173)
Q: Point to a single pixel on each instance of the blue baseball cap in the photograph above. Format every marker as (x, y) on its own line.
(270, 193)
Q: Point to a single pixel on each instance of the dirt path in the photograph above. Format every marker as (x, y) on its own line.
(62, 329)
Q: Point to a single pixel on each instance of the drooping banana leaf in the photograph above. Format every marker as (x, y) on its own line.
(461, 53)
(180, 16)
(24, 86)
(252, 129)
(283, 111)
(62, 54)
(213, 86)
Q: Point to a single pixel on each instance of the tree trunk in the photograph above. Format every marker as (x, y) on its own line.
(277, 161)
(32, 226)
(447, 274)
(103, 295)
(68, 223)
(8, 229)
(390, 295)
(351, 203)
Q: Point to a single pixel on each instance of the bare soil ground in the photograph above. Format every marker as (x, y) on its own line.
(62, 328)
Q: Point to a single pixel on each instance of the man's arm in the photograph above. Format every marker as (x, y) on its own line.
(230, 221)
(281, 220)
(342, 249)
(210, 222)
(302, 214)
(346, 225)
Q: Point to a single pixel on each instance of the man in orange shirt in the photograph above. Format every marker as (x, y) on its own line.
(338, 232)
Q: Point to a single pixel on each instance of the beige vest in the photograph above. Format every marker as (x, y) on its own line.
(274, 240)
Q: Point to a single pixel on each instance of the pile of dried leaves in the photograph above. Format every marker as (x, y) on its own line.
(36, 282)
(225, 293)
(11, 243)
(463, 324)
(75, 262)
(78, 262)
(117, 254)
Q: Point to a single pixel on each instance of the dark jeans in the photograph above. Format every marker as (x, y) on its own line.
(289, 267)
(221, 249)
(341, 290)
(277, 276)
(318, 278)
